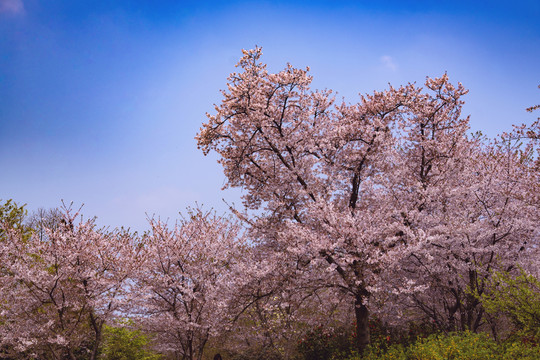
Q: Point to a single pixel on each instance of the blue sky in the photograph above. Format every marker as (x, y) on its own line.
(100, 100)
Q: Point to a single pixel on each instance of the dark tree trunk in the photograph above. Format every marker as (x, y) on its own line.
(97, 325)
(95, 350)
(362, 325)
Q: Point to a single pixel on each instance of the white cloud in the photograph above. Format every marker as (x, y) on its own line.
(11, 6)
(388, 62)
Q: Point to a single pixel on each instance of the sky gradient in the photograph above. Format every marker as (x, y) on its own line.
(100, 100)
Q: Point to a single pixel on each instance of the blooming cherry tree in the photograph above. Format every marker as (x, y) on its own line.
(365, 190)
(466, 195)
(186, 280)
(58, 290)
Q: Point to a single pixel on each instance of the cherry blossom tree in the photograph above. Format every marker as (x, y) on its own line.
(475, 218)
(315, 169)
(186, 280)
(365, 190)
(58, 290)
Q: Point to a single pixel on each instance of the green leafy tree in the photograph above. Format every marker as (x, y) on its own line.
(12, 216)
(517, 296)
(122, 343)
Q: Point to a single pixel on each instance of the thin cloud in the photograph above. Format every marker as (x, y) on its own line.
(388, 62)
(11, 7)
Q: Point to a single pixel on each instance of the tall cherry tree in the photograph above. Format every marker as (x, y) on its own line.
(314, 169)
(359, 190)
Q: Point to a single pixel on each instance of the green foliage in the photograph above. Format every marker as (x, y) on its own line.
(12, 217)
(454, 346)
(122, 343)
(516, 296)
(520, 350)
(393, 352)
(462, 346)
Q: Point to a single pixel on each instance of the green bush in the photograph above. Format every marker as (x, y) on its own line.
(516, 296)
(520, 350)
(462, 346)
(392, 352)
(122, 343)
(455, 346)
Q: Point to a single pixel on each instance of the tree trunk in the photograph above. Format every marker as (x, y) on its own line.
(362, 325)
(97, 325)
(97, 343)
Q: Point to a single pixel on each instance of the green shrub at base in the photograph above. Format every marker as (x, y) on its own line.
(455, 346)
(518, 350)
(458, 346)
(517, 296)
(121, 343)
(393, 352)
